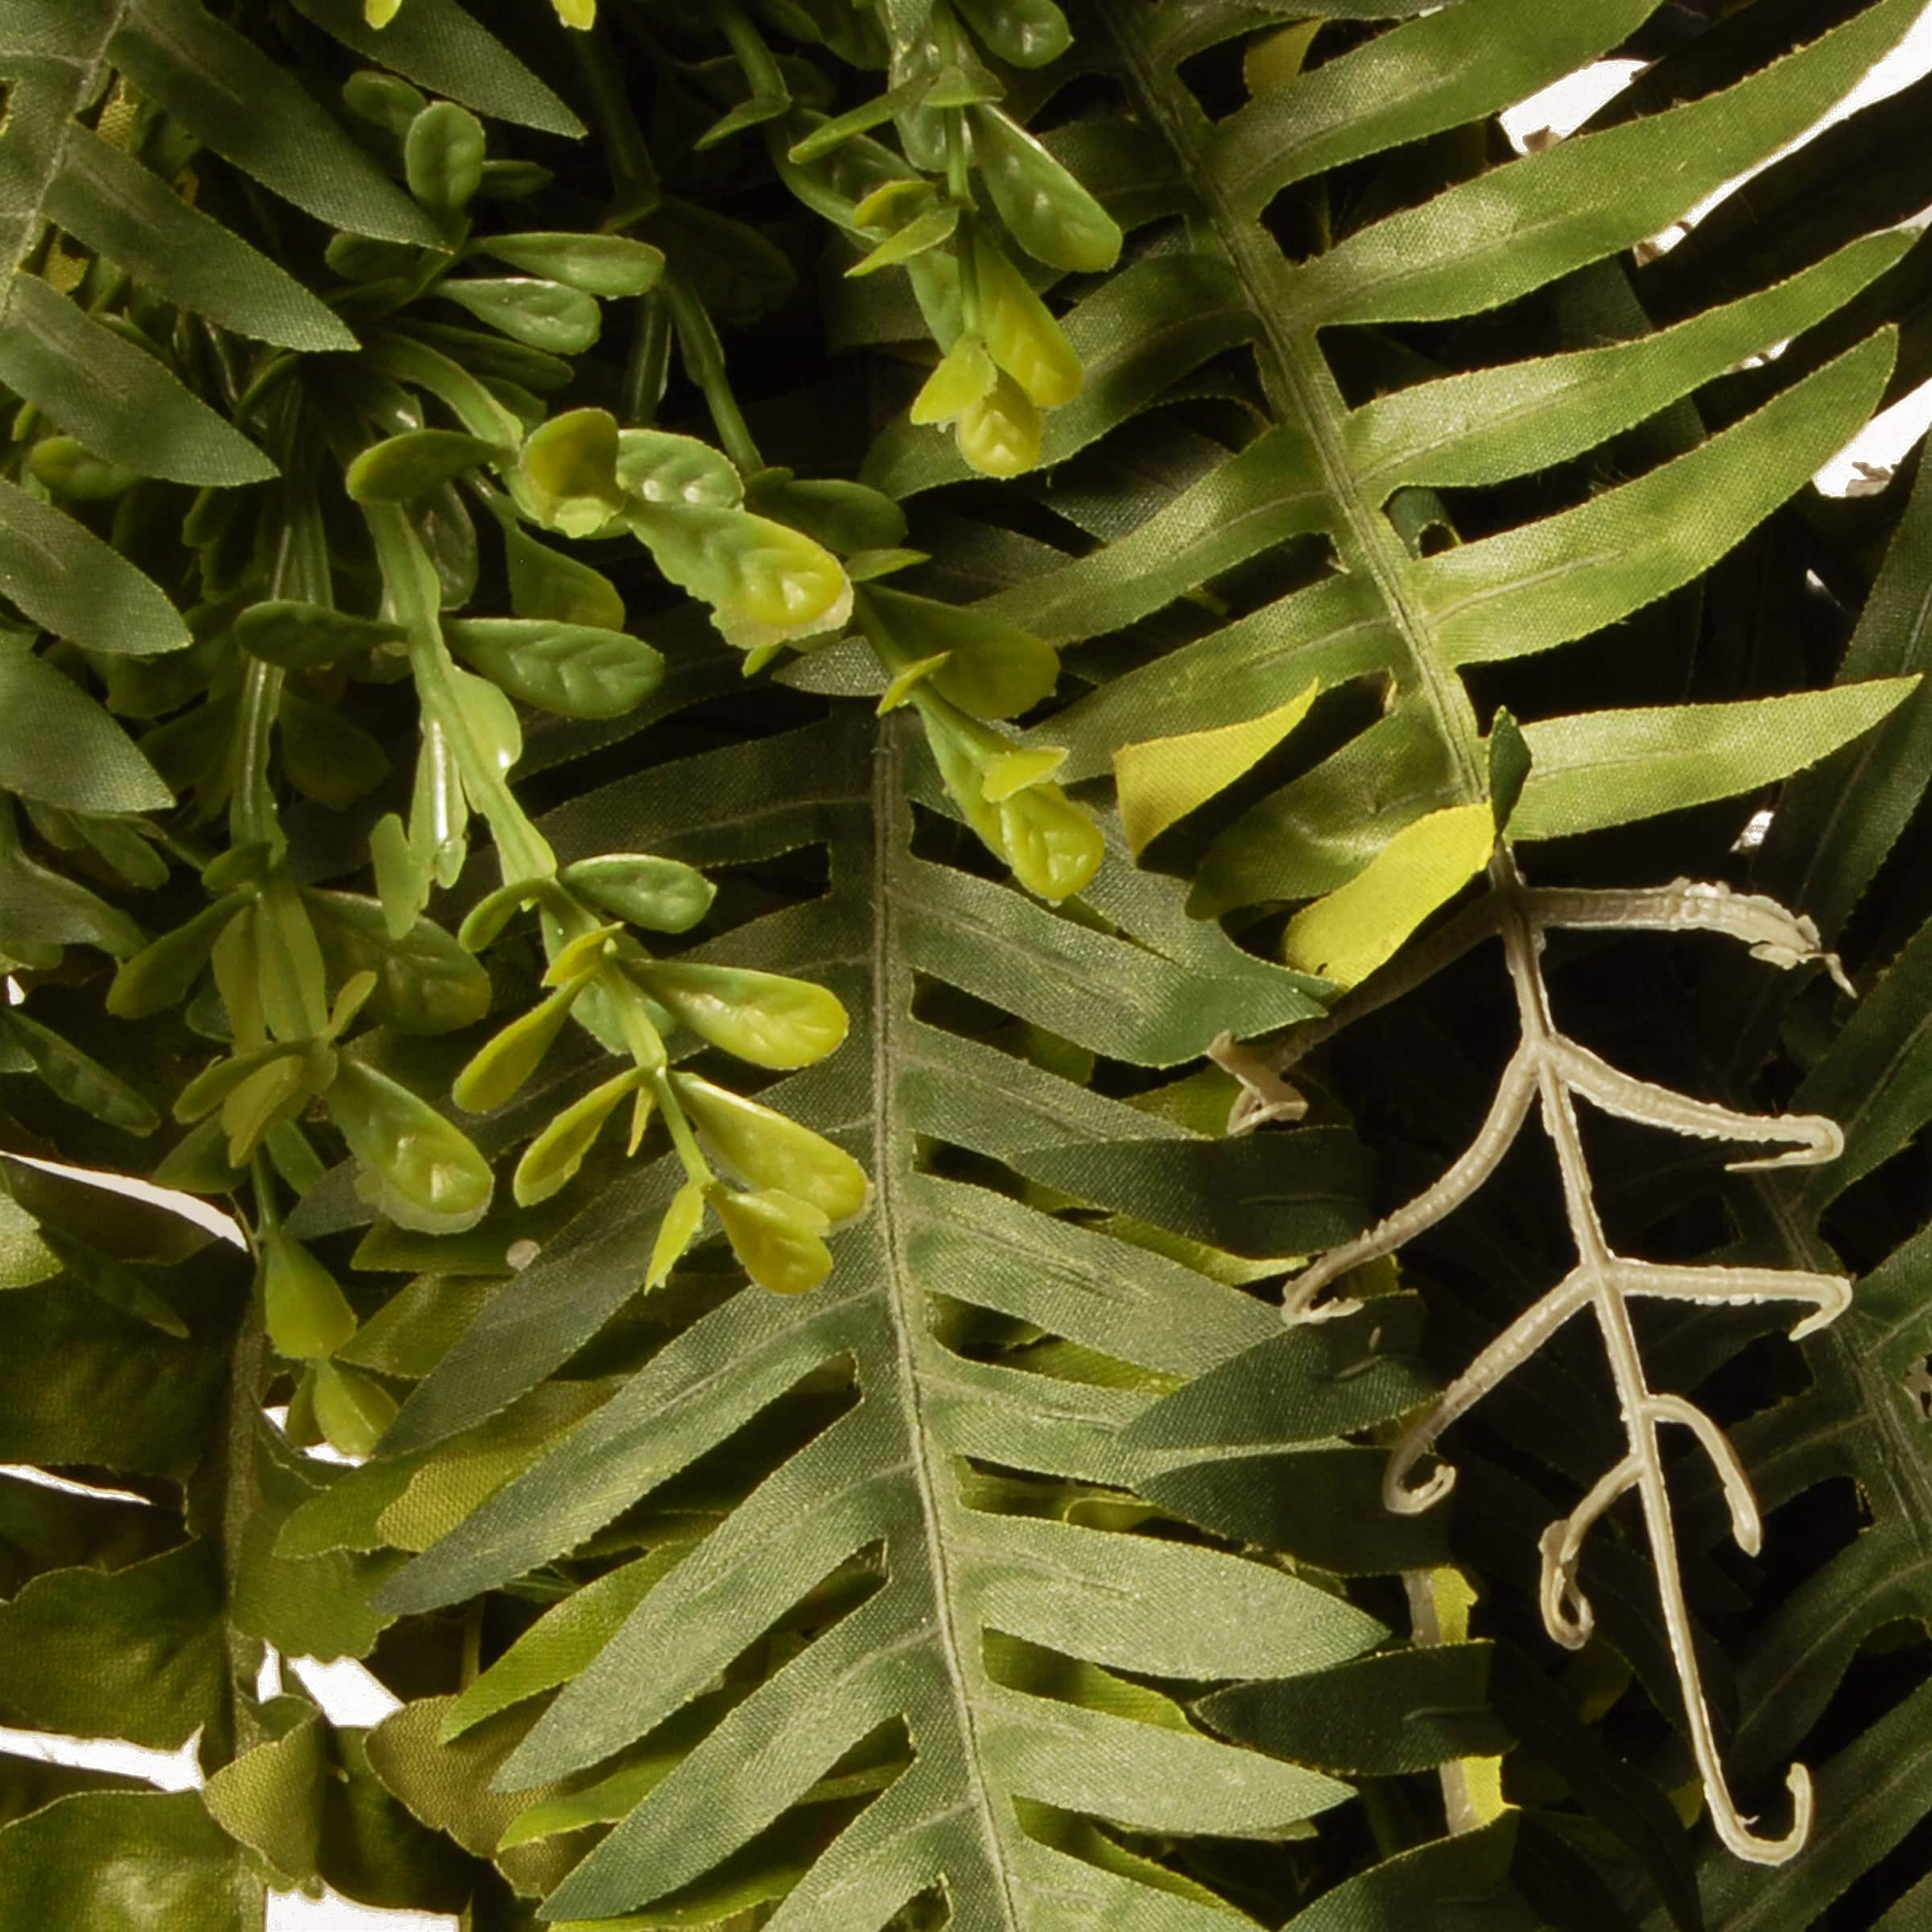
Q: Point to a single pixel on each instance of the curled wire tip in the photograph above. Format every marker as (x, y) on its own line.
(1827, 1311)
(1405, 1499)
(1746, 1845)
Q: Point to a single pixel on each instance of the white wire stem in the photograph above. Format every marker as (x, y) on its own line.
(1829, 1294)
(1516, 1345)
(1773, 934)
(1559, 1064)
(1514, 1094)
(1548, 1072)
(1778, 937)
(1814, 1139)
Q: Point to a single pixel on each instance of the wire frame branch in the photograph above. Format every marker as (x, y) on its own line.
(1546, 1076)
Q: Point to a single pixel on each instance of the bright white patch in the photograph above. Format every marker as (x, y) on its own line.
(345, 1690)
(1755, 828)
(291, 1911)
(1879, 448)
(26, 1473)
(167, 1770)
(319, 1452)
(1564, 105)
(204, 1214)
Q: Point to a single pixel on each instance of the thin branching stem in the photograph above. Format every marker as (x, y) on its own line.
(1547, 1072)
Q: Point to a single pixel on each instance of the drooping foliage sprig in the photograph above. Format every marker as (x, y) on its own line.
(493, 489)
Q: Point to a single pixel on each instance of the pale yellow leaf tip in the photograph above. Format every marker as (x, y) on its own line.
(1361, 926)
(1161, 780)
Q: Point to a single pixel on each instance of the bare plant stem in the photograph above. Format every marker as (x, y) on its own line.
(1547, 1072)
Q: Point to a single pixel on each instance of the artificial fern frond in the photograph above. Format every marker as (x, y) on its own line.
(1422, 622)
(961, 1577)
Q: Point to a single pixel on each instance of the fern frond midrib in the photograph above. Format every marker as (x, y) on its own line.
(892, 998)
(1297, 379)
(30, 218)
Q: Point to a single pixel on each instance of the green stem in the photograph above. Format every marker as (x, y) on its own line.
(632, 171)
(696, 1167)
(704, 362)
(648, 365)
(522, 851)
(761, 69)
(252, 818)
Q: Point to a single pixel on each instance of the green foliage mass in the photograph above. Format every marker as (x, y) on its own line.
(796, 741)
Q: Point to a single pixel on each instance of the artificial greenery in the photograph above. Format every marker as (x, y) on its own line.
(874, 776)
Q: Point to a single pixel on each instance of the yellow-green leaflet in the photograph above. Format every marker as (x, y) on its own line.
(1161, 780)
(552, 1159)
(681, 1220)
(352, 1410)
(764, 1147)
(1359, 927)
(307, 1312)
(964, 375)
(504, 1063)
(764, 1018)
(776, 1236)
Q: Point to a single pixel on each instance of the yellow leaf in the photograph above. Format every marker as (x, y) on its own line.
(1161, 780)
(1021, 334)
(902, 686)
(1273, 60)
(1358, 927)
(999, 435)
(1454, 1600)
(1015, 771)
(960, 381)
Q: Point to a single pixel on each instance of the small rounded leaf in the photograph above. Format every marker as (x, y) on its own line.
(1053, 847)
(72, 470)
(549, 316)
(1055, 219)
(402, 468)
(573, 670)
(570, 466)
(1000, 434)
(610, 266)
(769, 1150)
(1024, 33)
(305, 1311)
(442, 157)
(677, 472)
(418, 1169)
(776, 1238)
(767, 583)
(760, 1016)
(350, 1409)
(1021, 335)
(543, 582)
(661, 895)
